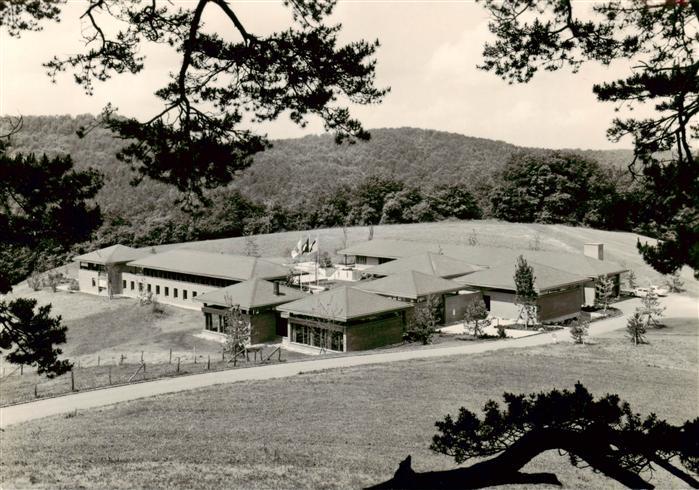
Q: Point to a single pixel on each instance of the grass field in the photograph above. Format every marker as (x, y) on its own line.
(341, 428)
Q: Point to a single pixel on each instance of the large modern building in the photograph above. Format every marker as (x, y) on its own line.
(100, 270)
(431, 263)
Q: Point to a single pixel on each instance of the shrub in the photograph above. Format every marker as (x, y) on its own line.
(636, 329)
(674, 283)
(35, 281)
(73, 285)
(422, 326)
(579, 330)
(476, 315)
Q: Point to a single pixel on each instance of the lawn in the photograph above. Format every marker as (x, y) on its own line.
(340, 428)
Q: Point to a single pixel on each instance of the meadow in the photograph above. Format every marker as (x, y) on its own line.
(342, 428)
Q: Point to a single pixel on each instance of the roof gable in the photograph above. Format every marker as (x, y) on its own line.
(430, 263)
(410, 284)
(112, 255)
(226, 266)
(502, 277)
(342, 304)
(253, 293)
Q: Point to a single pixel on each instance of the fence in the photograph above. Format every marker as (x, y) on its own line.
(21, 384)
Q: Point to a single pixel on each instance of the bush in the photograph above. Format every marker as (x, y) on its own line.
(52, 280)
(35, 281)
(421, 327)
(73, 285)
(579, 330)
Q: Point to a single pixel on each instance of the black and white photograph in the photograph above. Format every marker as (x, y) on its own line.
(349, 244)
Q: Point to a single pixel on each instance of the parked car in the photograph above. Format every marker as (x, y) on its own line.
(641, 292)
(660, 290)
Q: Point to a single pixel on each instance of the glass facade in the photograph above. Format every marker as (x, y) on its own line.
(317, 337)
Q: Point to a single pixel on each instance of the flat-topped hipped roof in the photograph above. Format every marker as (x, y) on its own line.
(486, 256)
(112, 255)
(254, 293)
(343, 304)
(431, 263)
(502, 277)
(209, 264)
(410, 284)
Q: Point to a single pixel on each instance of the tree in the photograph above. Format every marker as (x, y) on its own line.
(476, 316)
(29, 336)
(238, 329)
(251, 247)
(604, 292)
(650, 310)
(454, 201)
(43, 210)
(422, 325)
(556, 187)
(674, 283)
(579, 330)
(526, 295)
(631, 280)
(636, 328)
(202, 136)
(658, 41)
(605, 434)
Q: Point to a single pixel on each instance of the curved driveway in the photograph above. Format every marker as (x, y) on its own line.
(108, 396)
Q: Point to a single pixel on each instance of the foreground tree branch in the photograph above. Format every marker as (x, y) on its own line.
(603, 433)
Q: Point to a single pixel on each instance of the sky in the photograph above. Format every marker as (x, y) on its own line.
(428, 57)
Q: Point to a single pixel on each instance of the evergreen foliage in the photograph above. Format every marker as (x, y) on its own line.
(604, 292)
(650, 310)
(422, 325)
(525, 295)
(579, 330)
(636, 328)
(476, 317)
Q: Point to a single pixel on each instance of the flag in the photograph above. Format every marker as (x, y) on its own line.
(297, 249)
(305, 248)
(314, 245)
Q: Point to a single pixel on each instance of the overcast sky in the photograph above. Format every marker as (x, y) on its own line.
(428, 56)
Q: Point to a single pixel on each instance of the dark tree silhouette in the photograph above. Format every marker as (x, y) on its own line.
(43, 209)
(197, 142)
(606, 434)
(659, 42)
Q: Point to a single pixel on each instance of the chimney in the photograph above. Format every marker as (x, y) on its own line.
(594, 250)
(276, 288)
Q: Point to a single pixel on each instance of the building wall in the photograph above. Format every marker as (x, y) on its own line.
(85, 278)
(590, 293)
(369, 335)
(502, 304)
(170, 299)
(455, 306)
(264, 327)
(560, 305)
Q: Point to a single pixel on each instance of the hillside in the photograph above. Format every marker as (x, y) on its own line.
(293, 168)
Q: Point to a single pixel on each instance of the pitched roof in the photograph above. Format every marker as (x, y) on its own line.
(410, 284)
(486, 256)
(343, 304)
(393, 249)
(210, 264)
(428, 263)
(254, 293)
(502, 277)
(112, 255)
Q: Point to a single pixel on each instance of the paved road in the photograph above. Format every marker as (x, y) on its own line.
(681, 306)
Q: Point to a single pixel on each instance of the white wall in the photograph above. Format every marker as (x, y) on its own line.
(189, 303)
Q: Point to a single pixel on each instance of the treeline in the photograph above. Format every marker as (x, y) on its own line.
(402, 175)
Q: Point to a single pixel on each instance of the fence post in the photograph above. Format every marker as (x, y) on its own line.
(280, 354)
(72, 380)
(36, 393)
(98, 361)
(195, 354)
(223, 353)
(144, 370)
(178, 364)
(208, 363)
(170, 359)
(141, 356)
(110, 375)
(21, 369)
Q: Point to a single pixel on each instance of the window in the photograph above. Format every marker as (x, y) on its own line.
(123, 285)
(140, 286)
(194, 294)
(148, 287)
(486, 300)
(167, 291)
(360, 259)
(184, 294)
(157, 289)
(174, 292)
(93, 282)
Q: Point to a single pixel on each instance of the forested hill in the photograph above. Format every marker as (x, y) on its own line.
(294, 173)
(419, 157)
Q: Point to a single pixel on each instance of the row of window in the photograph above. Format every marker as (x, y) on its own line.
(166, 289)
(317, 337)
(192, 278)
